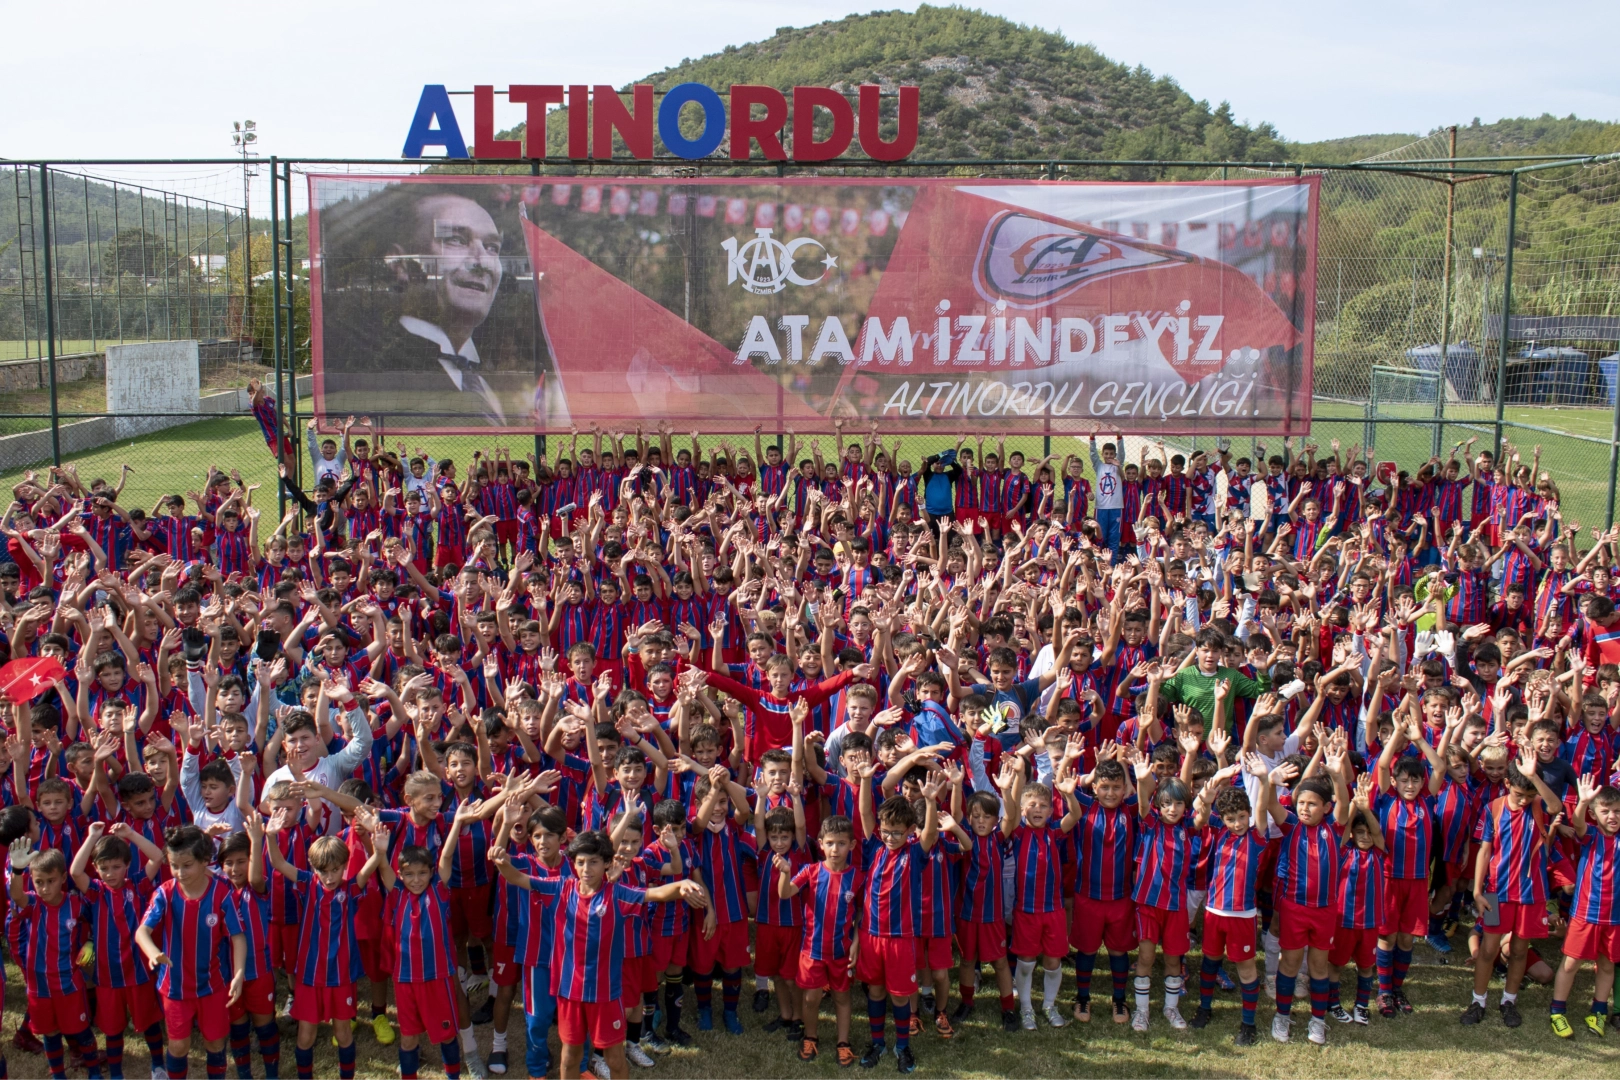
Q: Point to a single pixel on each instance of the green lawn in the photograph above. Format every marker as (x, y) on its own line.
(15, 349)
(1430, 1043)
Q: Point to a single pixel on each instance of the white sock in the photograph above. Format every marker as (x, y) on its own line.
(1052, 985)
(762, 982)
(1021, 981)
(1144, 992)
(498, 1042)
(469, 1041)
(1509, 999)
(1479, 999)
(1273, 951)
(1172, 991)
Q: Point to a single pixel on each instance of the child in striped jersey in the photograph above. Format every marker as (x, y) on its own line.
(1235, 851)
(1594, 925)
(1363, 880)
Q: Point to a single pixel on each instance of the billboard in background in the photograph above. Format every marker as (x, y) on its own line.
(462, 303)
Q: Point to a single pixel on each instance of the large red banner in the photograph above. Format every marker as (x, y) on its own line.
(477, 303)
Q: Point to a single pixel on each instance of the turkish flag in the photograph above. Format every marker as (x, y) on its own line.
(25, 680)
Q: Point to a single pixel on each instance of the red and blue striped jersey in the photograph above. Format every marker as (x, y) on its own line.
(979, 898)
(1306, 536)
(1454, 810)
(587, 952)
(114, 915)
(535, 938)
(893, 878)
(469, 866)
(831, 908)
(1234, 868)
(1037, 867)
(407, 833)
(253, 909)
(1308, 865)
(992, 490)
(421, 925)
(1361, 887)
(173, 534)
(1174, 486)
(726, 859)
(773, 910)
(609, 624)
(1408, 829)
(1467, 605)
(1164, 858)
(328, 950)
(934, 915)
(1597, 885)
(605, 803)
(1518, 867)
(1484, 490)
(670, 918)
(1106, 843)
(196, 937)
(45, 940)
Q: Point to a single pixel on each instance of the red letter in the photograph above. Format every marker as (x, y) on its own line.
(485, 144)
(579, 122)
(536, 98)
(767, 130)
(608, 115)
(805, 101)
(905, 139)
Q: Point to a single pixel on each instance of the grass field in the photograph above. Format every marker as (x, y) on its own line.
(1430, 1043)
(16, 349)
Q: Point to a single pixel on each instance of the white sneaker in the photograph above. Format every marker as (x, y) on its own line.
(1139, 1019)
(473, 1065)
(599, 1066)
(1029, 1017)
(1055, 1017)
(637, 1056)
(159, 1072)
(1279, 1027)
(473, 982)
(1271, 985)
(1172, 1016)
(1318, 1032)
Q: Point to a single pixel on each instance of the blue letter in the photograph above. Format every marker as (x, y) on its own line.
(435, 106)
(714, 120)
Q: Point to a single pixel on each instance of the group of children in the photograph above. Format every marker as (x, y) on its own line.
(578, 739)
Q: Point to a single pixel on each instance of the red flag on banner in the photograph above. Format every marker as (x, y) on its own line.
(25, 680)
(618, 352)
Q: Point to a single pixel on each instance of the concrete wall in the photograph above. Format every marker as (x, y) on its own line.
(147, 381)
(17, 375)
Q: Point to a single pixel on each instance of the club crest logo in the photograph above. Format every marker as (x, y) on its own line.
(766, 265)
(212, 921)
(1030, 261)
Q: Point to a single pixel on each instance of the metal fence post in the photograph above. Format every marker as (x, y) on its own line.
(290, 287)
(1507, 312)
(1614, 464)
(50, 311)
(275, 320)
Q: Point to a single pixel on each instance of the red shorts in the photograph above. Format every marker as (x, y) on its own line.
(639, 975)
(427, 1008)
(1167, 929)
(1354, 945)
(322, 1004)
(258, 999)
(374, 959)
(602, 1022)
(505, 971)
(889, 962)
(469, 913)
(823, 974)
(776, 950)
(1528, 921)
(1406, 907)
(728, 948)
(981, 942)
(1592, 941)
(671, 952)
(1461, 870)
(1229, 936)
(118, 1008)
(934, 953)
(284, 947)
(209, 1014)
(1039, 934)
(506, 532)
(994, 521)
(1096, 923)
(448, 554)
(1302, 927)
(63, 1014)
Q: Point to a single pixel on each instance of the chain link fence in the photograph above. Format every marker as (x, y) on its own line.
(1414, 261)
